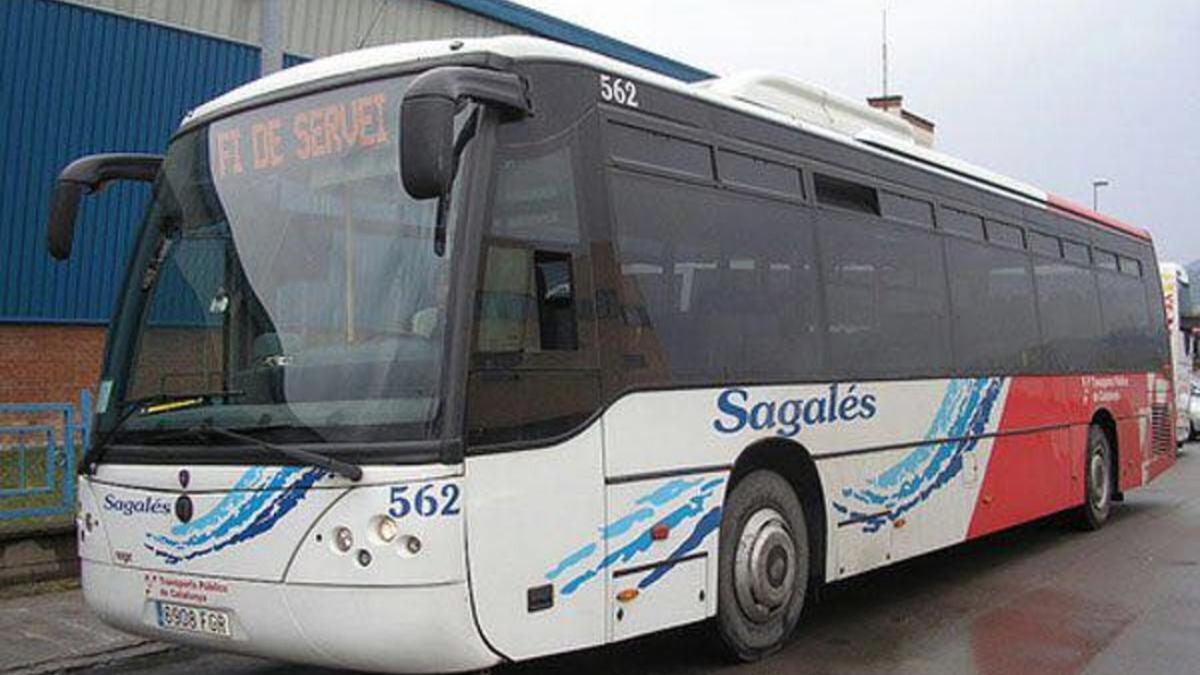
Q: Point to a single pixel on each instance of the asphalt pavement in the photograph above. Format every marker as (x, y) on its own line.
(1042, 598)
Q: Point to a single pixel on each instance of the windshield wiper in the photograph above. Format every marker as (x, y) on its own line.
(345, 469)
(144, 404)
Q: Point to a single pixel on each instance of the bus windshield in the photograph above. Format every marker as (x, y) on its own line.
(286, 282)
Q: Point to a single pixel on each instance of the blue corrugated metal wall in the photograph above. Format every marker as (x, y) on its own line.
(75, 81)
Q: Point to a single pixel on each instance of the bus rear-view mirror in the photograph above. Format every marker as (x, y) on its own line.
(427, 152)
(88, 175)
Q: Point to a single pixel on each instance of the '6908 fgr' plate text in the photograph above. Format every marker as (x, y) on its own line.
(194, 620)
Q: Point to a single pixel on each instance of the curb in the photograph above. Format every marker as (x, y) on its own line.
(38, 556)
(77, 662)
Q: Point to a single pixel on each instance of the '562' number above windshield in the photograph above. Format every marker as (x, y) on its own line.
(618, 90)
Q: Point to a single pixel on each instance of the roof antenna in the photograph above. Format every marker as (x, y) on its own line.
(885, 63)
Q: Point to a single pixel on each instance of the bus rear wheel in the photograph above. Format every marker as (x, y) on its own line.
(763, 566)
(1098, 481)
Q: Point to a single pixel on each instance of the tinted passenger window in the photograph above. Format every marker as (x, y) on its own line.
(535, 199)
(1130, 339)
(845, 194)
(885, 296)
(1130, 266)
(1044, 244)
(907, 209)
(1158, 318)
(961, 222)
(659, 150)
(995, 322)
(1005, 235)
(1070, 314)
(1077, 253)
(1105, 259)
(746, 171)
(715, 286)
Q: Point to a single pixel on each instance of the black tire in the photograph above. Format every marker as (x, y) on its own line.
(763, 531)
(1098, 483)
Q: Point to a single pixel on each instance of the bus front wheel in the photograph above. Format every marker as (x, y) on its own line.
(764, 561)
(1098, 481)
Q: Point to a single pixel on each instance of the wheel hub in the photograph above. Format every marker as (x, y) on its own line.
(1101, 484)
(764, 565)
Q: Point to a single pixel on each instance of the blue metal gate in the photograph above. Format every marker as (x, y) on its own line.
(38, 446)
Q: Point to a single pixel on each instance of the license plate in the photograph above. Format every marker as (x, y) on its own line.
(194, 620)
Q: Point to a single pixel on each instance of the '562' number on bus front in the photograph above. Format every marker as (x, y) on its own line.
(425, 501)
(618, 90)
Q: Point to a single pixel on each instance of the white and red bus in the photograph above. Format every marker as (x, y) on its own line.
(1176, 297)
(439, 355)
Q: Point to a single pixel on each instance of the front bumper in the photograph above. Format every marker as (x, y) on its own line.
(399, 629)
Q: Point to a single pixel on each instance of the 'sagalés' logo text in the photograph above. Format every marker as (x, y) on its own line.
(128, 507)
(738, 411)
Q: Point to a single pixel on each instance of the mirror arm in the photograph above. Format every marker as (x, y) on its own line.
(93, 171)
(508, 91)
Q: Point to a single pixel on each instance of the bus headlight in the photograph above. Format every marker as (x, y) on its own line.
(386, 530)
(343, 539)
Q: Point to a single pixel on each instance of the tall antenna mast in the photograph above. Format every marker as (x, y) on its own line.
(885, 63)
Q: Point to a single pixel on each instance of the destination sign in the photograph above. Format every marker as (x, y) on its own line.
(322, 128)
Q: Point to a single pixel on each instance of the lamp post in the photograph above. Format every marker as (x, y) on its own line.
(1096, 185)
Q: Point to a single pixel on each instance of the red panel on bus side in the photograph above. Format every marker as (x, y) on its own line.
(1035, 474)
(1032, 474)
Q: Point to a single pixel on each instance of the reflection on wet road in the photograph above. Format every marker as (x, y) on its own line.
(1039, 599)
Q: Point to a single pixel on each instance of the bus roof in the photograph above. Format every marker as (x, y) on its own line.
(875, 132)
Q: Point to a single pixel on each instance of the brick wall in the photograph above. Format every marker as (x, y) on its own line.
(46, 363)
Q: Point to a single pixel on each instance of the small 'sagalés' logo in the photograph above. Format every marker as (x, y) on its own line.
(127, 507)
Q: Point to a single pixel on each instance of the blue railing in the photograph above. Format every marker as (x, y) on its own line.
(39, 443)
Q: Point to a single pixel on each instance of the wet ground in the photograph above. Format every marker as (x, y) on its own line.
(1042, 598)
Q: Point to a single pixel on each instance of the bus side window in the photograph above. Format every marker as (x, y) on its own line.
(527, 301)
(555, 301)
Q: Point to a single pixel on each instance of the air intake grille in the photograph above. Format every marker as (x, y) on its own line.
(1160, 428)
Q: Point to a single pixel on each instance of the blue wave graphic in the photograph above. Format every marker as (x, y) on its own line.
(678, 500)
(570, 561)
(620, 527)
(259, 500)
(964, 414)
(668, 491)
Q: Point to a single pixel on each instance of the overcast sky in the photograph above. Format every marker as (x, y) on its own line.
(1053, 92)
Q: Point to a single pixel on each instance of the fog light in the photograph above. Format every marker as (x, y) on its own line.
(343, 540)
(364, 557)
(385, 529)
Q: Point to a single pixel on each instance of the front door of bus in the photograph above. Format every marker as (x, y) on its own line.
(534, 469)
